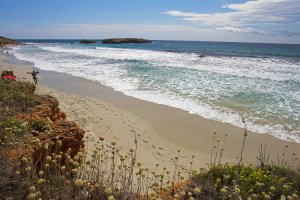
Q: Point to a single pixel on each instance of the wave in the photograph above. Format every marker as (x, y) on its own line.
(263, 68)
(185, 81)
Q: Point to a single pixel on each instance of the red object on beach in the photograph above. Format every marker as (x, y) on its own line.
(10, 77)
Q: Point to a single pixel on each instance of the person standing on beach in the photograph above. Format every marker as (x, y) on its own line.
(34, 76)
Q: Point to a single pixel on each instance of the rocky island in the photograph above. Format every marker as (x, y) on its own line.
(87, 41)
(125, 40)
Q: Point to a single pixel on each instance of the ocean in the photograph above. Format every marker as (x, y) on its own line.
(260, 82)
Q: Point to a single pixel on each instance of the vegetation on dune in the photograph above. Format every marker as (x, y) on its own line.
(42, 157)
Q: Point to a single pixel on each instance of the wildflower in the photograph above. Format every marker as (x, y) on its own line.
(226, 177)
(218, 181)
(79, 182)
(17, 172)
(31, 196)
(223, 191)
(182, 193)
(131, 150)
(289, 197)
(46, 165)
(176, 196)
(79, 154)
(191, 198)
(286, 187)
(295, 196)
(48, 158)
(108, 190)
(113, 143)
(282, 197)
(197, 190)
(237, 190)
(272, 188)
(38, 194)
(28, 169)
(76, 158)
(259, 185)
(63, 169)
(41, 181)
(24, 159)
(24, 125)
(59, 143)
(32, 189)
(249, 198)
(41, 173)
(74, 171)
(267, 196)
(111, 198)
(190, 194)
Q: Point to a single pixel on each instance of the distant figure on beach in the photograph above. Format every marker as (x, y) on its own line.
(7, 52)
(34, 76)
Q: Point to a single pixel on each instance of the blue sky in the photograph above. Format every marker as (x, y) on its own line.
(275, 21)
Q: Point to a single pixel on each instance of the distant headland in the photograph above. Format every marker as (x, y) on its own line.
(87, 41)
(125, 40)
(6, 41)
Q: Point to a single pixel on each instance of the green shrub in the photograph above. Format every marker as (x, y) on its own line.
(38, 125)
(251, 181)
(17, 95)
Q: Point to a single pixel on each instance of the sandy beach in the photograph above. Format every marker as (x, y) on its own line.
(160, 130)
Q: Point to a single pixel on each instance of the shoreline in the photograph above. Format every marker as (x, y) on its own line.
(162, 129)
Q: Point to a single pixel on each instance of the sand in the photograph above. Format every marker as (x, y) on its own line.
(160, 130)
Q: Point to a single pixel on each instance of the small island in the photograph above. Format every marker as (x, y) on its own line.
(87, 41)
(125, 40)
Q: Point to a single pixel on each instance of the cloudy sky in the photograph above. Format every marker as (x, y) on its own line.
(276, 21)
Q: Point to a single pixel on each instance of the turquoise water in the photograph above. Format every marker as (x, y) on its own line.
(260, 82)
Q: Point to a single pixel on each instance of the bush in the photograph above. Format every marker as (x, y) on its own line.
(17, 95)
(38, 125)
(248, 181)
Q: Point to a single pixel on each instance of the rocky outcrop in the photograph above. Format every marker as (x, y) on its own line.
(125, 40)
(6, 41)
(68, 132)
(87, 41)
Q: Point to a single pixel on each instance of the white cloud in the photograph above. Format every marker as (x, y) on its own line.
(254, 12)
(241, 30)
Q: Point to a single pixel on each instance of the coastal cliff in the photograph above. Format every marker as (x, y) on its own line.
(125, 40)
(6, 41)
